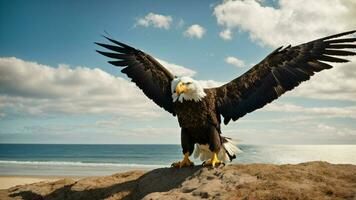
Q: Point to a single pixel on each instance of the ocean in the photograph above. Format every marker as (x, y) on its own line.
(96, 160)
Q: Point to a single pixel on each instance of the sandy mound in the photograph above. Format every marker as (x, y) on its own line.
(313, 180)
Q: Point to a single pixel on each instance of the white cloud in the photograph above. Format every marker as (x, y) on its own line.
(32, 88)
(326, 112)
(310, 134)
(338, 83)
(156, 20)
(234, 61)
(210, 83)
(177, 70)
(226, 34)
(292, 22)
(295, 119)
(300, 125)
(113, 123)
(335, 130)
(195, 31)
(154, 132)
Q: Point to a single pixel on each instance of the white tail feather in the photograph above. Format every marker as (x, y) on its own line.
(203, 152)
(231, 147)
(197, 151)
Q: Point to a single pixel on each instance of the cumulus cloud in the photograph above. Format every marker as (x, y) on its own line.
(338, 83)
(328, 112)
(32, 88)
(294, 22)
(226, 34)
(312, 133)
(336, 130)
(195, 31)
(155, 20)
(210, 83)
(291, 22)
(107, 123)
(301, 124)
(234, 61)
(177, 70)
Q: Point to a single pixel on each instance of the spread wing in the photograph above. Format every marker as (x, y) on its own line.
(146, 72)
(281, 71)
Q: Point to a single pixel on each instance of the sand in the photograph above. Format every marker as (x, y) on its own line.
(11, 181)
(312, 180)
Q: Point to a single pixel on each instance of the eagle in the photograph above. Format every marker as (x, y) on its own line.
(200, 110)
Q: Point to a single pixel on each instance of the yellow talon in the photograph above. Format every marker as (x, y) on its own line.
(213, 161)
(184, 163)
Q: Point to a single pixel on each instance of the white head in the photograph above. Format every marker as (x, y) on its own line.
(185, 88)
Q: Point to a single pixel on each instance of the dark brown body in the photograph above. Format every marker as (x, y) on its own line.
(200, 123)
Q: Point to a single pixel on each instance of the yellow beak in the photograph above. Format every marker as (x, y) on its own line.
(181, 88)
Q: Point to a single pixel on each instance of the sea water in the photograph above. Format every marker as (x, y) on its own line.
(92, 160)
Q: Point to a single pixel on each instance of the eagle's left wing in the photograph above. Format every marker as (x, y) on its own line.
(279, 72)
(145, 71)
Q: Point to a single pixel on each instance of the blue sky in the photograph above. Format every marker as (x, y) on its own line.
(56, 89)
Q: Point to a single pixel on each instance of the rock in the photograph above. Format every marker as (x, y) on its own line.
(312, 180)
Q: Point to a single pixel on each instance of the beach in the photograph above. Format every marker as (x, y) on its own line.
(11, 181)
(123, 171)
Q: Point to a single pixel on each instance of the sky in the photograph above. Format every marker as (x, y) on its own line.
(54, 87)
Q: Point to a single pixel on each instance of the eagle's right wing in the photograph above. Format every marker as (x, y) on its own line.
(148, 74)
(281, 71)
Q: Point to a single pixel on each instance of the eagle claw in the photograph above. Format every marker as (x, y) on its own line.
(214, 161)
(183, 163)
(209, 163)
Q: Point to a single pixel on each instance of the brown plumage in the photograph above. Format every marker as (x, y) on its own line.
(281, 71)
(148, 74)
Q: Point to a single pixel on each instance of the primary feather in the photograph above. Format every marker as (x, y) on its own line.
(281, 71)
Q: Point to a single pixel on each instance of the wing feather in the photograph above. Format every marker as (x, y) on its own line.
(281, 71)
(145, 71)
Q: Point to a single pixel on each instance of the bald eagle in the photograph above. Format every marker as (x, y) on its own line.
(199, 109)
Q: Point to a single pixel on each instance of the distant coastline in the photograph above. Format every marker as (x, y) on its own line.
(99, 160)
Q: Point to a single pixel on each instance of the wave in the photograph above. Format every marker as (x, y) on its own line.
(77, 164)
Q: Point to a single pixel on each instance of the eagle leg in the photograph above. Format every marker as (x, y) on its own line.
(214, 146)
(184, 163)
(214, 161)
